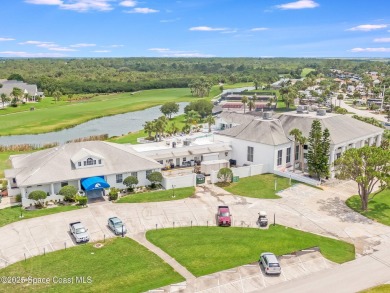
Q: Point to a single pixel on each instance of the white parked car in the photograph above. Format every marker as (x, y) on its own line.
(270, 263)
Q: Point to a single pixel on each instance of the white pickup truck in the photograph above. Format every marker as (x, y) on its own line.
(79, 232)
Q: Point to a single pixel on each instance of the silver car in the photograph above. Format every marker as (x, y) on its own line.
(116, 225)
(270, 263)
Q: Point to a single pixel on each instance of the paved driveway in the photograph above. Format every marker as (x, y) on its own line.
(302, 207)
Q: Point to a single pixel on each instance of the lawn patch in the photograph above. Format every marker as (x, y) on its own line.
(378, 289)
(121, 265)
(259, 186)
(206, 250)
(378, 207)
(155, 196)
(12, 214)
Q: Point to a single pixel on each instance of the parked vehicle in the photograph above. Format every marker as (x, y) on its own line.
(116, 225)
(270, 263)
(224, 216)
(79, 232)
(262, 221)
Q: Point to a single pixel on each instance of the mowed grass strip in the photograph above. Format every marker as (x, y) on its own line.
(378, 289)
(206, 250)
(155, 196)
(378, 207)
(259, 186)
(12, 214)
(121, 265)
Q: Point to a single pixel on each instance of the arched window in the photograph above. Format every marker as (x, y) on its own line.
(89, 162)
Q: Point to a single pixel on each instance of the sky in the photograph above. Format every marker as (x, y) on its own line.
(195, 28)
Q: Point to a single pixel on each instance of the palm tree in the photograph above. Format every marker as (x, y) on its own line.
(4, 99)
(192, 118)
(296, 133)
(160, 124)
(340, 97)
(172, 129)
(251, 105)
(244, 101)
(16, 93)
(149, 127)
(57, 95)
(210, 120)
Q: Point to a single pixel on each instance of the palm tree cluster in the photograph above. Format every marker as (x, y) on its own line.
(200, 87)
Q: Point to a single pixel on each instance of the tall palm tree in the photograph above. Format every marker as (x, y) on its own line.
(4, 99)
(149, 127)
(16, 93)
(340, 97)
(192, 118)
(244, 101)
(302, 141)
(210, 120)
(57, 95)
(296, 133)
(251, 105)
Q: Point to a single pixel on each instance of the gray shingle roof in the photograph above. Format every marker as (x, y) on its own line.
(268, 132)
(342, 128)
(8, 86)
(54, 165)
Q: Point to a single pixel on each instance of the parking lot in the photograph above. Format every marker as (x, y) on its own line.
(251, 277)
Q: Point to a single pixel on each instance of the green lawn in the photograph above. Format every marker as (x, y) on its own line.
(259, 186)
(205, 250)
(10, 215)
(378, 208)
(121, 265)
(378, 289)
(155, 196)
(64, 115)
(306, 71)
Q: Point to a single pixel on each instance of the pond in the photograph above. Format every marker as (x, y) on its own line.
(115, 125)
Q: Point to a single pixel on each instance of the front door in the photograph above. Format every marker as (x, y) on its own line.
(177, 161)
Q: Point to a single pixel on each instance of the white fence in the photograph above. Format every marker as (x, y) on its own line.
(241, 172)
(298, 177)
(179, 181)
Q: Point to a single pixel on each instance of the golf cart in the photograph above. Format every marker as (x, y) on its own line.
(262, 221)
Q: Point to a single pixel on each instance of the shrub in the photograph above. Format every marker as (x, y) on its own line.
(113, 195)
(130, 181)
(68, 192)
(154, 178)
(18, 198)
(81, 200)
(39, 196)
(225, 174)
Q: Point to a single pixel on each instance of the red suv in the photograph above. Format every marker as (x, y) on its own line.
(224, 216)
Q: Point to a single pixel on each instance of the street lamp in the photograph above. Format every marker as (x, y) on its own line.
(173, 190)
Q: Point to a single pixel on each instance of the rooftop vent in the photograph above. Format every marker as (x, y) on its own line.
(321, 112)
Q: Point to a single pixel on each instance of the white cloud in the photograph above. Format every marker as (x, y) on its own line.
(301, 4)
(367, 27)
(375, 50)
(229, 31)
(258, 29)
(142, 10)
(61, 49)
(207, 28)
(47, 45)
(165, 52)
(30, 55)
(76, 5)
(116, 46)
(169, 20)
(128, 3)
(101, 51)
(6, 39)
(82, 45)
(37, 43)
(382, 40)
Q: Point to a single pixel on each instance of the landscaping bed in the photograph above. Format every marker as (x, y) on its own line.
(120, 265)
(155, 196)
(378, 207)
(206, 250)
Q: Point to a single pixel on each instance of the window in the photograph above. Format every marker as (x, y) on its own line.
(280, 154)
(148, 172)
(135, 174)
(161, 162)
(250, 154)
(100, 162)
(184, 159)
(226, 154)
(119, 178)
(288, 155)
(79, 164)
(64, 184)
(89, 162)
(305, 147)
(338, 156)
(297, 153)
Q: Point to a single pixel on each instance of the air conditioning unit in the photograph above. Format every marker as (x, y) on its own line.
(267, 115)
(321, 112)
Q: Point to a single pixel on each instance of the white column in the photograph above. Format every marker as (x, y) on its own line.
(371, 141)
(342, 149)
(379, 140)
(23, 192)
(331, 157)
(354, 145)
(52, 188)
